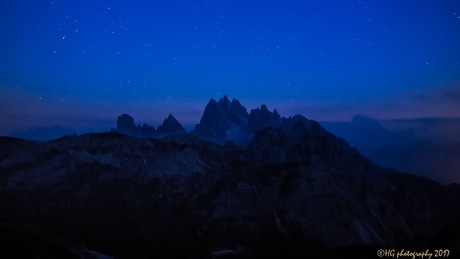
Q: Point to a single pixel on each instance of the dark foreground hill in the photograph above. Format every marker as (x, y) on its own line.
(294, 191)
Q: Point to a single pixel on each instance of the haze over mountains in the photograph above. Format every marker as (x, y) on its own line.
(429, 147)
(247, 184)
(222, 121)
(426, 147)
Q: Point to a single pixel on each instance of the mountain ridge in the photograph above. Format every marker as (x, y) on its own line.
(215, 184)
(221, 121)
(293, 189)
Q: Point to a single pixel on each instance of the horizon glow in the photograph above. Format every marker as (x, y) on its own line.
(83, 63)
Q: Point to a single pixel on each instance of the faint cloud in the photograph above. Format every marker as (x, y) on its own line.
(442, 101)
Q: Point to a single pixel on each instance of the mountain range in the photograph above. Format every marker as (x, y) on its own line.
(429, 147)
(240, 185)
(222, 121)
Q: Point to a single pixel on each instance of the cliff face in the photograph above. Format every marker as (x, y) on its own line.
(225, 121)
(293, 190)
(220, 119)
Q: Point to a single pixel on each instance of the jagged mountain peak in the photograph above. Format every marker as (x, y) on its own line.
(232, 107)
(211, 102)
(224, 100)
(170, 119)
(225, 120)
(170, 126)
(264, 111)
(294, 186)
(261, 118)
(220, 118)
(264, 108)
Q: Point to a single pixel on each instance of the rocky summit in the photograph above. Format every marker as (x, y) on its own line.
(170, 126)
(293, 191)
(220, 119)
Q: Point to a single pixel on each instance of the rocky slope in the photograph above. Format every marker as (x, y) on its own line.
(294, 191)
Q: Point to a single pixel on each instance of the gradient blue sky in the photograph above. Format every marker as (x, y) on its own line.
(82, 63)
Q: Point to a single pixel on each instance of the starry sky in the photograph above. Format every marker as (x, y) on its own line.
(83, 63)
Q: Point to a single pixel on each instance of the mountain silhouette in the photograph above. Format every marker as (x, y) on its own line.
(126, 125)
(261, 118)
(170, 126)
(224, 121)
(293, 191)
(220, 119)
(429, 147)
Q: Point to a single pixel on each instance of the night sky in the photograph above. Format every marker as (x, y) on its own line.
(83, 63)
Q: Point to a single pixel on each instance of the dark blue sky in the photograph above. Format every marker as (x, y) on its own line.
(82, 63)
